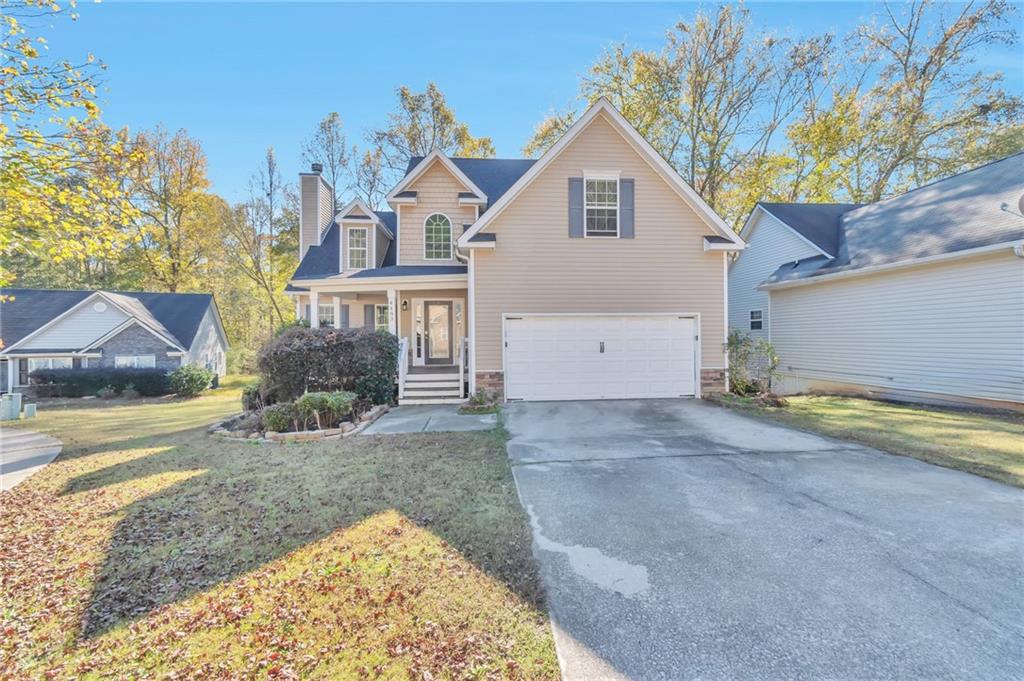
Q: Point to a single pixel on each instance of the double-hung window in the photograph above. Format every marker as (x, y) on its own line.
(437, 237)
(756, 320)
(381, 322)
(326, 313)
(601, 206)
(357, 248)
(134, 361)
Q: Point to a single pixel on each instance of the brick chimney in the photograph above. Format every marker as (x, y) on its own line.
(316, 207)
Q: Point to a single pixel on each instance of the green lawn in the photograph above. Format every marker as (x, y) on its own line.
(149, 549)
(983, 443)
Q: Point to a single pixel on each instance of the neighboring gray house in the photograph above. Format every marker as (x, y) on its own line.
(44, 328)
(919, 297)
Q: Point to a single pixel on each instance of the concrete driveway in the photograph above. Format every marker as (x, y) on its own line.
(679, 540)
(24, 453)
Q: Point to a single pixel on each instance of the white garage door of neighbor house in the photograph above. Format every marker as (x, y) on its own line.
(594, 357)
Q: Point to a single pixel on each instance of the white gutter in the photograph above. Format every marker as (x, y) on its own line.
(1017, 246)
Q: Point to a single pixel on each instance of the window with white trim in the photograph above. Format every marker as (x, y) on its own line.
(357, 248)
(756, 320)
(326, 313)
(381, 321)
(49, 363)
(601, 206)
(437, 237)
(135, 361)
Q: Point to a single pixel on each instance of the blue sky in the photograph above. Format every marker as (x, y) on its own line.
(241, 77)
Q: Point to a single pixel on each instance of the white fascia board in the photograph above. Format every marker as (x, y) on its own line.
(361, 205)
(371, 284)
(478, 244)
(711, 246)
(891, 266)
(660, 165)
(422, 166)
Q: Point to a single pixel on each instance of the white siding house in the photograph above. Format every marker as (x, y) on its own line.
(770, 243)
(919, 297)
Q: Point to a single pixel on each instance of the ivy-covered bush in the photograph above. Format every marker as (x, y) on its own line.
(324, 409)
(753, 364)
(190, 380)
(301, 360)
(257, 395)
(79, 382)
(280, 418)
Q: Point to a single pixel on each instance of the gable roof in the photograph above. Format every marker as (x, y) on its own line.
(817, 223)
(176, 315)
(637, 141)
(964, 212)
(493, 175)
(322, 260)
(413, 171)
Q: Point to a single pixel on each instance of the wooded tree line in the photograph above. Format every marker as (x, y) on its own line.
(741, 114)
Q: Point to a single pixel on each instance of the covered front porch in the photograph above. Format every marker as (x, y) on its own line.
(429, 317)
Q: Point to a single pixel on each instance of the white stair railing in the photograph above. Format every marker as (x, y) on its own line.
(403, 365)
(462, 366)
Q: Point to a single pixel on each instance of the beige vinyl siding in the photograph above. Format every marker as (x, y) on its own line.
(79, 328)
(954, 328)
(536, 267)
(437, 191)
(769, 245)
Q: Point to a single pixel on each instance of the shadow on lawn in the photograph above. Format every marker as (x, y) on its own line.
(250, 505)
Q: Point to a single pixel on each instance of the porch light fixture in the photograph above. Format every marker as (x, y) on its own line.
(405, 306)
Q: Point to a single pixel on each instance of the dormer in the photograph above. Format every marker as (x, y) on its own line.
(434, 202)
(364, 237)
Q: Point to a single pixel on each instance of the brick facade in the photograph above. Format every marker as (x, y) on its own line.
(136, 341)
(491, 381)
(712, 381)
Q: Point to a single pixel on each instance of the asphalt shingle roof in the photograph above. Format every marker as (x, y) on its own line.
(954, 214)
(816, 222)
(494, 176)
(175, 314)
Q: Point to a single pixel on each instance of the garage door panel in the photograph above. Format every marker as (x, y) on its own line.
(560, 358)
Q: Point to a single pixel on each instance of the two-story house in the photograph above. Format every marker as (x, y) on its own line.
(592, 272)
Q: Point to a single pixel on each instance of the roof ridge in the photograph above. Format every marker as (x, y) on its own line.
(105, 290)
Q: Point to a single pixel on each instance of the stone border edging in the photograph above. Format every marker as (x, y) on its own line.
(270, 437)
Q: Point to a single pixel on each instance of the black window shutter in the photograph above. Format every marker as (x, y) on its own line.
(22, 372)
(344, 317)
(626, 208)
(309, 318)
(368, 319)
(576, 207)
(76, 362)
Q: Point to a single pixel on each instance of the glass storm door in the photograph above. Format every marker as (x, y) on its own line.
(439, 332)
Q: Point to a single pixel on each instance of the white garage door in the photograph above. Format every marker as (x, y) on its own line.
(590, 357)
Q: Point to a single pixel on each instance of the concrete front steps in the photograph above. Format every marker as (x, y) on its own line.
(428, 385)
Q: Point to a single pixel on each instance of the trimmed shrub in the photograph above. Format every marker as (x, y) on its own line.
(324, 409)
(107, 392)
(190, 380)
(280, 417)
(79, 382)
(301, 360)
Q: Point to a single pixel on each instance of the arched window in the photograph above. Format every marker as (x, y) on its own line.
(437, 237)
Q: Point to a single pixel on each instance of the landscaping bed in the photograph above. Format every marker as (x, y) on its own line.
(149, 550)
(989, 444)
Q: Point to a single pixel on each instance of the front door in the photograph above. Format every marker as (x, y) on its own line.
(439, 332)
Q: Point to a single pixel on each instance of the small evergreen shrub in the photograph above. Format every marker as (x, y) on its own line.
(107, 392)
(88, 381)
(190, 380)
(129, 392)
(280, 417)
(325, 410)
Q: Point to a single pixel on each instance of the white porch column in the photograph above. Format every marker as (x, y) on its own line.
(337, 312)
(314, 311)
(393, 311)
(12, 368)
